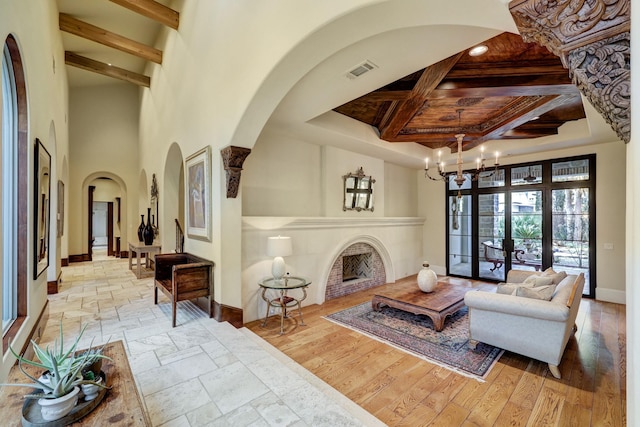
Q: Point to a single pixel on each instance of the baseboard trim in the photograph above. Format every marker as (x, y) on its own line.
(611, 295)
(52, 286)
(64, 262)
(225, 313)
(79, 258)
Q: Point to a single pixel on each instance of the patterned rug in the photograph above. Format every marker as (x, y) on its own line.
(415, 334)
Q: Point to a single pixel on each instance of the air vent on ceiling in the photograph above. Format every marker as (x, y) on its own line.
(361, 69)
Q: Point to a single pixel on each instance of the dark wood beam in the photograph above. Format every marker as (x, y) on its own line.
(88, 64)
(82, 29)
(153, 10)
(473, 91)
(538, 109)
(429, 80)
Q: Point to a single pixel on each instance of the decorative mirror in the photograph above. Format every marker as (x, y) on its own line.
(42, 191)
(358, 191)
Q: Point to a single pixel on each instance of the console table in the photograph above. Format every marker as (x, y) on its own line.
(141, 248)
(122, 405)
(284, 301)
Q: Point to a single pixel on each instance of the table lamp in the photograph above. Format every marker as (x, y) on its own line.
(279, 247)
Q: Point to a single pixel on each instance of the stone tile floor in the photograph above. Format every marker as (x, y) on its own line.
(201, 373)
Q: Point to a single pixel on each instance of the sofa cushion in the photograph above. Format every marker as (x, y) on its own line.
(539, 292)
(538, 280)
(556, 277)
(507, 288)
(563, 290)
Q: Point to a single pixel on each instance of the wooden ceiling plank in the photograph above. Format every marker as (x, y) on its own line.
(82, 29)
(536, 111)
(486, 92)
(429, 80)
(152, 10)
(88, 64)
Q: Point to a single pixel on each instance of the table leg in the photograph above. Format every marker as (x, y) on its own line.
(138, 263)
(130, 254)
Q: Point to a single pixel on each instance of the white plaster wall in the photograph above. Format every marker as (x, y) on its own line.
(610, 215)
(316, 244)
(400, 191)
(103, 138)
(282, 177)
(35, 26)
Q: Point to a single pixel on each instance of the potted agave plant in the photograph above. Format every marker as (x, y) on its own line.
(58, 387)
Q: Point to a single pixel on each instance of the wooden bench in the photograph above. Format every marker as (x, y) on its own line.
(183, 277)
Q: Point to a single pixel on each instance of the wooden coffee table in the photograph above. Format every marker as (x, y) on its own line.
(446, 299)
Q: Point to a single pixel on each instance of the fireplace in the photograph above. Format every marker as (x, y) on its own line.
(358, 267)
(355, 267)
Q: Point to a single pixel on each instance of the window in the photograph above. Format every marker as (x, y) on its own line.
(542, 215)
(9, 127)
(13, 192)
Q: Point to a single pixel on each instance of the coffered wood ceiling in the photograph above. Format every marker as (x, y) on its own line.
(516, 90)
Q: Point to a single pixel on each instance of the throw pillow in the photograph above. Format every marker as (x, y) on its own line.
(549, 271)
(534, 281)
(540, 292)
(558, 277)
(507, 288)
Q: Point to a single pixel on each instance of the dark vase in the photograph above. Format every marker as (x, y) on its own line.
(141, 228)
(148, 230)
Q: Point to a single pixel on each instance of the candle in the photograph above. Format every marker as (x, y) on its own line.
(482, 152)
(497, 154)
(439, 155)
(427, 164)
(478, 164)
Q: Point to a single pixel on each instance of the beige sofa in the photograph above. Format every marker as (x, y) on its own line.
(535, 328)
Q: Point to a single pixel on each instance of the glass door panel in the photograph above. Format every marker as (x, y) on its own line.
(570, 232)
(526, 229)
(459, 236)
(491, 216)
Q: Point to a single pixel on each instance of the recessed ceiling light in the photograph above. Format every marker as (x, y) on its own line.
(478, 50)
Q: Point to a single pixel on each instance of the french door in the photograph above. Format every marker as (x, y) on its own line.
(529, 217)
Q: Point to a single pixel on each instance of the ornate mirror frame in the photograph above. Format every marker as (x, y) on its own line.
(358, 191)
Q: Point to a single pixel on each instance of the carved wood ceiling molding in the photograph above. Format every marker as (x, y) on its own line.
(593, 41)
(233, 158)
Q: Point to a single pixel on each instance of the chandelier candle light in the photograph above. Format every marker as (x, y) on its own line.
(279, 247)
(458, 175)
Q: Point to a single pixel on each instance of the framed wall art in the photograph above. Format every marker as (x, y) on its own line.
(60, 208)
(42, 192)
(198, 194)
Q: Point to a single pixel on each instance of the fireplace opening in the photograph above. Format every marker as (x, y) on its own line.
(356, 267)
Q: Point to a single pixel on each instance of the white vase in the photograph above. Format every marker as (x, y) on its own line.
(91, 390)
(427, 278)
(54, 409)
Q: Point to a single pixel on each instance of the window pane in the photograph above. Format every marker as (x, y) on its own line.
(571, 231)
(575, 170)
(526, 175)
(491, 233)
(489, 179)
(460, 235)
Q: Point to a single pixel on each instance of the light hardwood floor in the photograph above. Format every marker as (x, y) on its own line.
(402, 390)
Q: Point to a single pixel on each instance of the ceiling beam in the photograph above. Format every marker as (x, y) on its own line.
(153, 10)
(429, 80)
(88, 64)
(82, 29)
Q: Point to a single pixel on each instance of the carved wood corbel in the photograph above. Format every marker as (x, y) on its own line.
(233, 158)
(593, 41)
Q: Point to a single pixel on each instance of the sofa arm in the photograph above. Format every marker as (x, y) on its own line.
(517, 306)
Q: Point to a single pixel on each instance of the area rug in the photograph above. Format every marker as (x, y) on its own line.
(415, 334)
